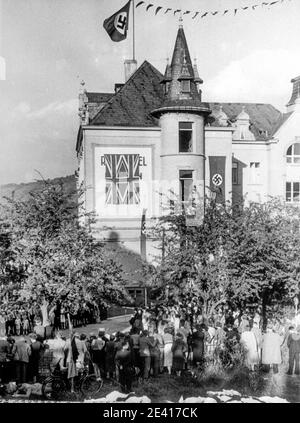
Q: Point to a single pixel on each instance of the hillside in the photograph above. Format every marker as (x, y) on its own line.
(21, 191)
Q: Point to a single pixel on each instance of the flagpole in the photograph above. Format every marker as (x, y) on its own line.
(133, 30)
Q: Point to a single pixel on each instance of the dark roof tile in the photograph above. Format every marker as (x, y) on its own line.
(263, 117)
(282, 118)
(132, 104)
(96, 101)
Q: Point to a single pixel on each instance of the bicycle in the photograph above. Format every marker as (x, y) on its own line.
(56, 385)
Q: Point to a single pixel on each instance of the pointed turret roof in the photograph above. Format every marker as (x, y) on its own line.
(181, 68)
(168, 74)
(296, 85)
(196, 73)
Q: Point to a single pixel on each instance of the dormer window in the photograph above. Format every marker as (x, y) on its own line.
(167, 87)
(185, 85)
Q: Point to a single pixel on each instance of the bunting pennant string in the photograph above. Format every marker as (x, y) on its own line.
(202, 14)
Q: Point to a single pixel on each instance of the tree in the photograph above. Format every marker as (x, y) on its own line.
(237, 257)
(265, 257)
(61, 257)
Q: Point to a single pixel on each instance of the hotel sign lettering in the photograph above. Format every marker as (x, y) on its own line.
(142, 160)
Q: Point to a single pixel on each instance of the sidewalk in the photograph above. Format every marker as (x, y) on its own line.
(111, 325)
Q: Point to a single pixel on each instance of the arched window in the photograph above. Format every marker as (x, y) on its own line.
(293, 154)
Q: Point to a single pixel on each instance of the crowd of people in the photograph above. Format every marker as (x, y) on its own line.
(187, 339)
(16, 320)
(161, 339)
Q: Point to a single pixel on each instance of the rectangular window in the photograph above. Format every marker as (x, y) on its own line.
(254, 173)
(288, 192)
(235, 170)
(185, 137)
(292, 192)
(185, 86)
(296, 192)
(186, 185)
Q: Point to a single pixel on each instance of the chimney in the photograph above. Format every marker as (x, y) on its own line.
(130, 68)
(295, 94)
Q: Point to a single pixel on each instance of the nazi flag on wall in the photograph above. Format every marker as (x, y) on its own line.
(117, 25)
(217, 177)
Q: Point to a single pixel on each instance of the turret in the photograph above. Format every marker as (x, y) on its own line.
(243, 127)
(182, 116)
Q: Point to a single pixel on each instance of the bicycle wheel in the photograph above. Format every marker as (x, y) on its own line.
(90, 385)
(53, 388)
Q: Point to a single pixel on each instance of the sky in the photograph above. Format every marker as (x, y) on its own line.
(48, 46)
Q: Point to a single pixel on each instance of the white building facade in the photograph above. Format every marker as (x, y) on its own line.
(154, 143)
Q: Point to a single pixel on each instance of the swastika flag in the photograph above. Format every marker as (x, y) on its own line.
(117, 25)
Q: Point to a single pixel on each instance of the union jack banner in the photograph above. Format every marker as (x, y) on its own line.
(122, 174)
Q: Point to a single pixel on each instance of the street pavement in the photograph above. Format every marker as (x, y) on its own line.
(111, 325)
